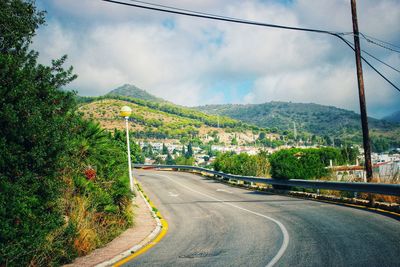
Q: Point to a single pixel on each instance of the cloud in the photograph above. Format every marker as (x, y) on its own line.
(185, 60)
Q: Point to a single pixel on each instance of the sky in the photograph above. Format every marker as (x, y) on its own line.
(192, 61)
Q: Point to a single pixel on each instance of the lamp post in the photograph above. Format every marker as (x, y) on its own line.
(126, 112)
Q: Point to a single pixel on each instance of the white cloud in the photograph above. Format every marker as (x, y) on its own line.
(111, 45)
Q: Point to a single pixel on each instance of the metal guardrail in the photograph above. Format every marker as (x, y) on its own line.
(377, 188)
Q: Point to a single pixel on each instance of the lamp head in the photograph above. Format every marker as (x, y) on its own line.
(125, 111)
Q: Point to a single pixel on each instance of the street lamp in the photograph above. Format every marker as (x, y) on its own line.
(126, 112)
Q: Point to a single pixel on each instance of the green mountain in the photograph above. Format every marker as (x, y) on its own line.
(394, 117)
(135, 92)
(165, 121)
(311, 118)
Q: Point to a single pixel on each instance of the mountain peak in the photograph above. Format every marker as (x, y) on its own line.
(135, 92)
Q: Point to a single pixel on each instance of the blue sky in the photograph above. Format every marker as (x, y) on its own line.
(195, 62)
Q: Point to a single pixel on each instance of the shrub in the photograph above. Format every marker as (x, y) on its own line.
(242, 164)
(298, 163)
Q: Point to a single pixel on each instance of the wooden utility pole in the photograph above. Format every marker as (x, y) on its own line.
(363, 109)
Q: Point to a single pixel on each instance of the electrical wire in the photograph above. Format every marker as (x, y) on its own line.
(186, 12)
(189, 13)
(377, 59)
(368, 38)
(369, 64)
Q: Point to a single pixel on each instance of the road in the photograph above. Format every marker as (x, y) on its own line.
(213, 224)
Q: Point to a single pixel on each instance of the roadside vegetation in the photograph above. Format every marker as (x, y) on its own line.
(310, 163)
(243, 164)
(332, 126)
(64, 186)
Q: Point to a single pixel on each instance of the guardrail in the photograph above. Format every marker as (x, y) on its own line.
(377, 188)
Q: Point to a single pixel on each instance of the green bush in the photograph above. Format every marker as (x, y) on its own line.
(296, 163)
(242, 164)
(60, 176)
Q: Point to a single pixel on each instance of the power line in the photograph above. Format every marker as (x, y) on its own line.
(369, 39)
(382, 44)
(181, 9)
(186, 12)
(369, 64)
(216, 17)
(377, 59)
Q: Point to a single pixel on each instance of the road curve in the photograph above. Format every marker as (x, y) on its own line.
(213, 224)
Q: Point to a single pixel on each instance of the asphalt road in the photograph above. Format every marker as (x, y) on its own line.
(213, 224)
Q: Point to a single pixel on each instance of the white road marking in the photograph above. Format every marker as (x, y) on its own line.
(283, 229)
(223, 190)
(172, 194)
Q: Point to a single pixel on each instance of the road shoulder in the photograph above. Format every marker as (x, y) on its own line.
(120, 247)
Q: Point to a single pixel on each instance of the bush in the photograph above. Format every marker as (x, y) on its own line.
(63, 180)
(242, 164)
(299, 163)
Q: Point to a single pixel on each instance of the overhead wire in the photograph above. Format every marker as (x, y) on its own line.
(377, 59)
(215, 17)
(370, 65)
(369, 39)
(190, 13)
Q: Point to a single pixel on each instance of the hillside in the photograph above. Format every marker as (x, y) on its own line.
(155, 121)
(135, 92)
(394, 117)
(312, 118)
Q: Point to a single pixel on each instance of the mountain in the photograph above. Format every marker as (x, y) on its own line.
(165, 121)
(135, 92)
(394, 117)
(312, 118)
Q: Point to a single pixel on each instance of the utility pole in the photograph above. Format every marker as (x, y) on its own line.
(363, 109)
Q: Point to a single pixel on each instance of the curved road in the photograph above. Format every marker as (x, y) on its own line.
(213, 224)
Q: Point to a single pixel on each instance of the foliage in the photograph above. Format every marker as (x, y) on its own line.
(170, 160)
(189, 153)
(182, 160)
(148, 151)
(182, 112)
(164, 150)
(380, 145)
(63, 180)
(242, 164)
(330, 122)
(310, 163)
(136, 152)
(135, 92)
(34, 119)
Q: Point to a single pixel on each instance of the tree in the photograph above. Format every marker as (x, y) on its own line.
(35, 119)
(59, 174)
(148, 151)
(159, 160)
(234, 141)
(242, 164)
(307, 163)
(189, 152)
(181, 160)
(169, 160)
(164, 149)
